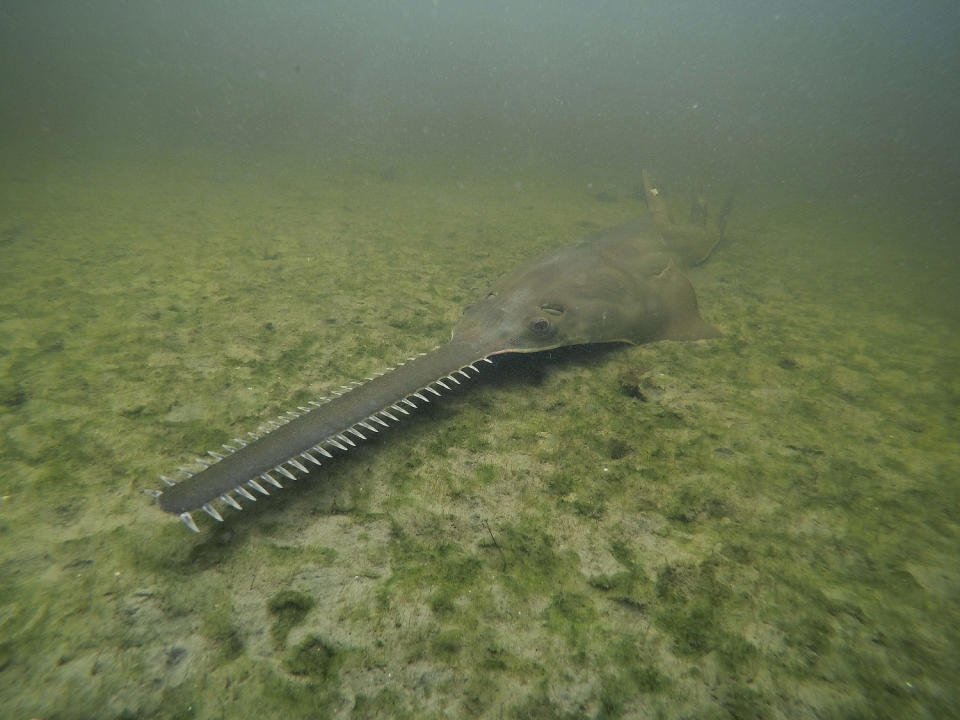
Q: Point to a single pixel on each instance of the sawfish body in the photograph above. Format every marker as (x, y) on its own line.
(620, 285)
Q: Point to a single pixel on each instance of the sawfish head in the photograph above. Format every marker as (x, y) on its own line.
(622, 288)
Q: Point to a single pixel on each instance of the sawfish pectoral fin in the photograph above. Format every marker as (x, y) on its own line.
(679, 315)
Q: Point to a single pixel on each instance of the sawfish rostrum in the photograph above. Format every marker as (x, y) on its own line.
(623, 284)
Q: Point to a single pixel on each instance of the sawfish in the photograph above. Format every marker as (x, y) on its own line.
(624, 285)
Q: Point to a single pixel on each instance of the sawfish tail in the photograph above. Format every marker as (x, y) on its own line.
(695, 241)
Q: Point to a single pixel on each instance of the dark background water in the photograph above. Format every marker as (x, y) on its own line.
(853, 98)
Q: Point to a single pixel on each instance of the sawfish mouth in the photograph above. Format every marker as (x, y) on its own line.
(299, 441)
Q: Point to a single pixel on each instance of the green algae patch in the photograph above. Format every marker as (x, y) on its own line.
(535, 562)
(288, 608)
(388, 702)
(570, 615)
(633, 672)
(314, 658)
(630, 587)
(223, 631)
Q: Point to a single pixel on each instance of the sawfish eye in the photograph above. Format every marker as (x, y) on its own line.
(552, 308)
(540, 326)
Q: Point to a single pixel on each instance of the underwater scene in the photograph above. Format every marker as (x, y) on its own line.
(500, 360)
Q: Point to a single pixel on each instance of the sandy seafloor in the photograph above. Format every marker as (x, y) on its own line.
(766, 525)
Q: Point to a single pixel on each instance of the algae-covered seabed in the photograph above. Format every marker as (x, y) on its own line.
(759, 526)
